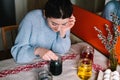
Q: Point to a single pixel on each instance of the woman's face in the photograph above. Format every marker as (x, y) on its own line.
(57, 23)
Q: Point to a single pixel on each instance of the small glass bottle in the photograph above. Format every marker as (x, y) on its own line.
(45, 75)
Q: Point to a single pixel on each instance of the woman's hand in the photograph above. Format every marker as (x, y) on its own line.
(68, 26)
(46, 54)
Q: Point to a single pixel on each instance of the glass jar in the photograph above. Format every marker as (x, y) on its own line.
(45, 75)
(85, 62)
(55, 66)
(87, 52)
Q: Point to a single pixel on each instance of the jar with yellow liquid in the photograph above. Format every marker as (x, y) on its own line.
(84, 69)
(85, 63)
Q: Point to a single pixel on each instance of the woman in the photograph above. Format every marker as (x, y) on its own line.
(110, 8)
(44, 33)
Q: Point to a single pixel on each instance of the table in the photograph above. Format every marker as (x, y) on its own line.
(9, 70)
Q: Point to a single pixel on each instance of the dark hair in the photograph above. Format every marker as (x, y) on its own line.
(58, 9)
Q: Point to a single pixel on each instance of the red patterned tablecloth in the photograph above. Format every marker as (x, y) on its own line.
(10, 71)
(39, 64)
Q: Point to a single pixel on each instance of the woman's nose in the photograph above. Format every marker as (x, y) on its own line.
(58, 28)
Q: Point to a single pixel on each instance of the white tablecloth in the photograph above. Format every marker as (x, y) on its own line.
(69, 67)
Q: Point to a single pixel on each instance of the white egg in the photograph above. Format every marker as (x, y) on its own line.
(106, 76)
(115, 73)
(114, 78)
(109, 75)
(106, 79)
(107, 71)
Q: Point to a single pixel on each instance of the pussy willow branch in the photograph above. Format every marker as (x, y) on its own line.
(106, 40)
(111, 38)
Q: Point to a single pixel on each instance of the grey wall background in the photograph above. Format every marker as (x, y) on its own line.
(91, 5)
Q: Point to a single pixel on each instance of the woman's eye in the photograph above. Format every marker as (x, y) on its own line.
(64, 24)
(54, 24)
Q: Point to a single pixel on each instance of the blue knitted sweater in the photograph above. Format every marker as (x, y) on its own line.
(34, 32)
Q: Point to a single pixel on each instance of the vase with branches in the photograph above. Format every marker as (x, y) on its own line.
(110, 40)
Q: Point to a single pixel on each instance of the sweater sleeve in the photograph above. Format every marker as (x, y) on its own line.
(23, 51)
(62, 45)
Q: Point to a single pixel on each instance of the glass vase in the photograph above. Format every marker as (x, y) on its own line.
(113, 60)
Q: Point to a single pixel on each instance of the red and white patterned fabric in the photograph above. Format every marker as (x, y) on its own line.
(11, 71)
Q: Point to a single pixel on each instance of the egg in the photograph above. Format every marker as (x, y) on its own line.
(106, 76)
(109, 75)
(114, 78)
(115, 73)
(107, 71)
(106, 79)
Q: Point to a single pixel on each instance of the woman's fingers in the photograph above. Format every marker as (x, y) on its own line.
(50, 56)
(72, 21)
